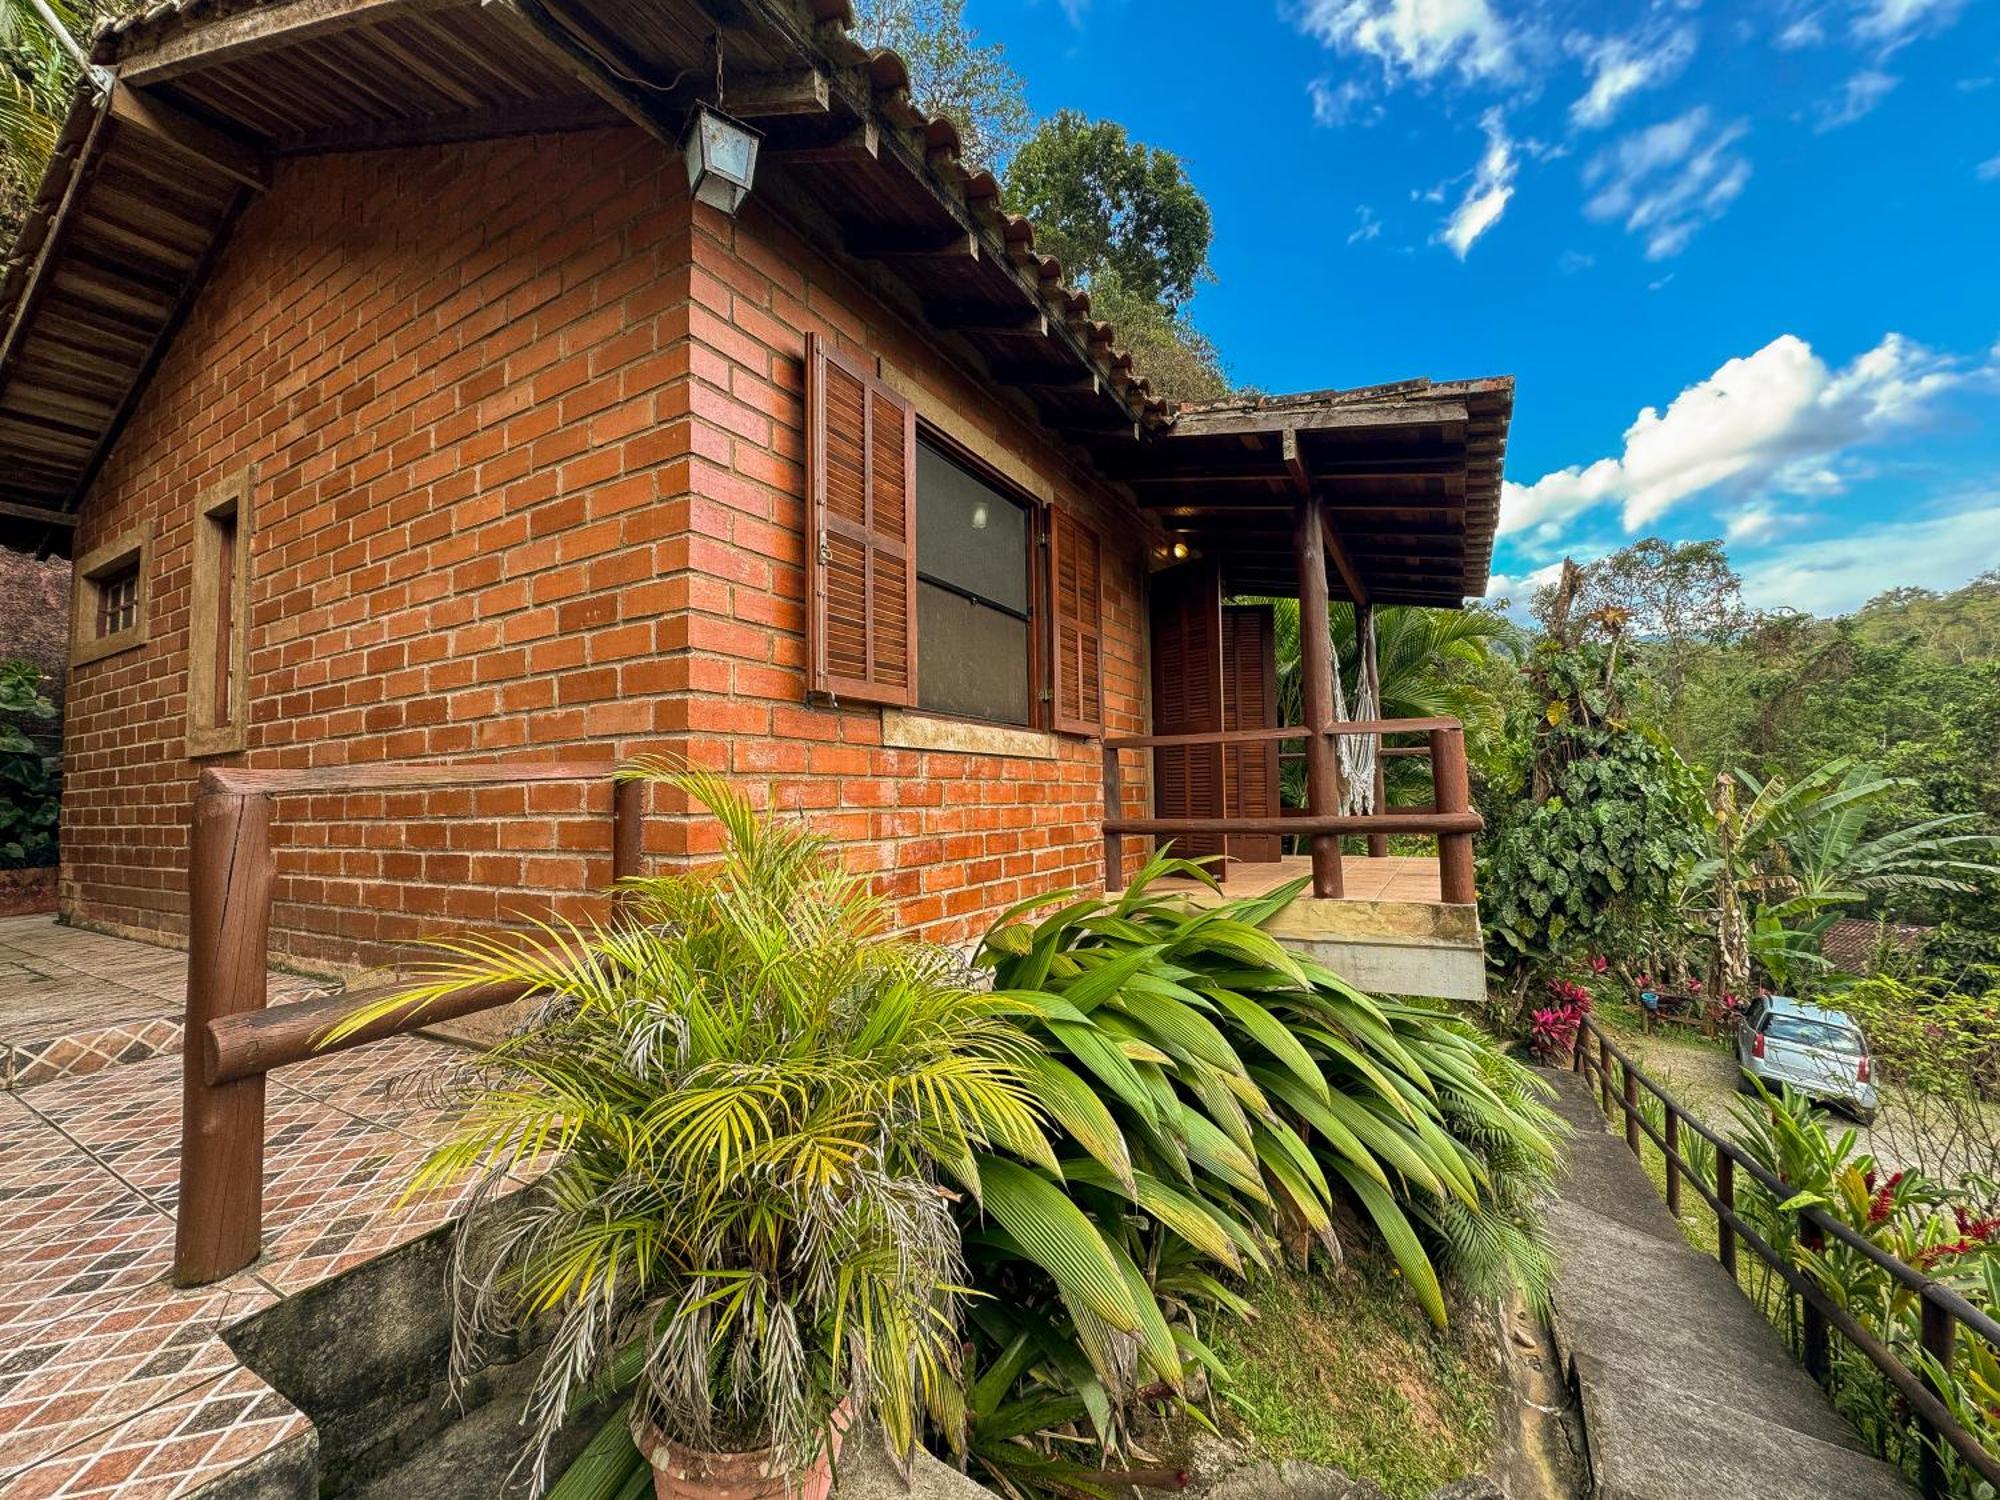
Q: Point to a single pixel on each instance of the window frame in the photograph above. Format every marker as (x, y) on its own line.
(206, 734)
(131, 551)
(1040, 617)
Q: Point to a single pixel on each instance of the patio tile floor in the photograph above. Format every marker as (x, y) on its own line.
(112, 1381)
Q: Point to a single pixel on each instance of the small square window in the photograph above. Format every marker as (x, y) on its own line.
(111, 598)
(118, 600)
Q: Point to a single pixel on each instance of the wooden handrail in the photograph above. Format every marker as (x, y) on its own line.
(231, 1040)
(1305, 823)
(1281, 732)
(1449, 816)
(1943, 1308)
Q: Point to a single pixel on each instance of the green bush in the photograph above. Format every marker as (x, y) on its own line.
(30, 788)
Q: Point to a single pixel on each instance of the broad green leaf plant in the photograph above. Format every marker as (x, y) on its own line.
(1219, 1098)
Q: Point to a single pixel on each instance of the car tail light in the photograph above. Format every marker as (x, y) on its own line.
(1863, 1069)
(1757, 1044)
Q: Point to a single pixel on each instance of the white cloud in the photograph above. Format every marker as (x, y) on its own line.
(1571, 262)
(1832, 575)
(1486, 196)
(1857, 97)
(1666, 181)
(1806, 31)
(1520, 588)
(1988, 170)
(1416, 39)
(1343, 103)
(1773, 423)
(1888, 24)
(1759, 521)
(1620, 66)
(1368, 228)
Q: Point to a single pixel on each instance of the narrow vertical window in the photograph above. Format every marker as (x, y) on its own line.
(218, 604)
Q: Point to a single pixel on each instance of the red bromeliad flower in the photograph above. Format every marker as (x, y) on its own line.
(1882, 1204)
(1599, 963)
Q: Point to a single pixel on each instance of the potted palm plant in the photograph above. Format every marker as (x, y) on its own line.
(742, 1101)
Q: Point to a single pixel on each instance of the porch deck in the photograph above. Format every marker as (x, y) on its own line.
(1390, 931)
(112, 1380)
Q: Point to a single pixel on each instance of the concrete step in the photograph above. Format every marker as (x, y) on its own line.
(1657, 1441)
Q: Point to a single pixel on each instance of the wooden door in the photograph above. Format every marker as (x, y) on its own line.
(1186, 611)
(1250, 701)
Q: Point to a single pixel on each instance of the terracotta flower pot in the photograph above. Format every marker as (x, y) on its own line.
(684, 1473)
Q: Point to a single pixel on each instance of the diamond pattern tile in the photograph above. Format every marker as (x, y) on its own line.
(112, 1381)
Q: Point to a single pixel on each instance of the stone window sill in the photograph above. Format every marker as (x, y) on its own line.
(904, 730)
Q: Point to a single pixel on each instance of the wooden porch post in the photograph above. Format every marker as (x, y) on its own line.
(219, 1220)
(1371, 686)
(1452, 779)
(1316, 674)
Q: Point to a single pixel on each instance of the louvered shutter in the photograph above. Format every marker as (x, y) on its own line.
(1186, 618)
(1077, 565)
(861, 577)
(1250, 701)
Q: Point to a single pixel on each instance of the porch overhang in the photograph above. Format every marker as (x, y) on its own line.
(1407, 476)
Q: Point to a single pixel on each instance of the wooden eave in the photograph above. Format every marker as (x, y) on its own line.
(1408, 474)
(210, 93)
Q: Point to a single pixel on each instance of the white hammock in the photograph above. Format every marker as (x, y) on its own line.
(1357, 751)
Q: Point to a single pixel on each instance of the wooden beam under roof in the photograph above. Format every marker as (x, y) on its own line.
(1318, 419)
(39, 513)
(1302, 483)
(556, 117)
(261, 28)
(237, 160)
(985, 320)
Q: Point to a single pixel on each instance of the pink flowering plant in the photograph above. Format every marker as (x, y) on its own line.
(1553, 1027)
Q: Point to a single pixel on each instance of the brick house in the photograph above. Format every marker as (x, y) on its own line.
(398, 403)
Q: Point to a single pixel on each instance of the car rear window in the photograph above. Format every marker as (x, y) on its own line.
(1820, 1034)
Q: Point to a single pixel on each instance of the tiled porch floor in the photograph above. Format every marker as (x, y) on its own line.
(73, 1001)
(1394, 877)
(111, 1380)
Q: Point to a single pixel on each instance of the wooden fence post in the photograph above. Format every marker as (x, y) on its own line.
(1940, 1336)
(1604, 1071)
(628, 829)
(1114, 807)
(1451, 783)
(1814, 1347)
(1673, 1138)
(218, 1222)
(1725, 1190)
(1631, 1092)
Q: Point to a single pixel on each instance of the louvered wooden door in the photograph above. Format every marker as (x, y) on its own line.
(1250, 701)
(1186, 614)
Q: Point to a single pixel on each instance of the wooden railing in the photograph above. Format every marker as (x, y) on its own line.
(1944, 1311)
(232, 1040)
(1448, 817)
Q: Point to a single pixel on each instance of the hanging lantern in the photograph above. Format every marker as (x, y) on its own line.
(721, 154)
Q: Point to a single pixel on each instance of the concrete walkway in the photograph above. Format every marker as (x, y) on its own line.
(1687, 1392)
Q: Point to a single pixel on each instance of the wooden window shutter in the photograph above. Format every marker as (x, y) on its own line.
(1076, 566)
(1250, 701)
(861, 550)
(1189, 781)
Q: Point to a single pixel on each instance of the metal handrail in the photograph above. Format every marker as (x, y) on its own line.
(1943, 1308)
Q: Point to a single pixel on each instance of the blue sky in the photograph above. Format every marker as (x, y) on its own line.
(1742, 258)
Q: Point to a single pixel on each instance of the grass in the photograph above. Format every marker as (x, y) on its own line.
(1343, 1369)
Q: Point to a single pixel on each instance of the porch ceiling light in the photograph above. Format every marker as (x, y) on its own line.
(721, 154)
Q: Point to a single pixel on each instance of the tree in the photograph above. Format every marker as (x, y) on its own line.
(1106, 205)
(35, 77)
(952, 73)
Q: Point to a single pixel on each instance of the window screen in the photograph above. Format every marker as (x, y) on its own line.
(972, 595)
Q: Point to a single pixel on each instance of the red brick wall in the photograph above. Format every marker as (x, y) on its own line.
(954, 837)
(528, 484)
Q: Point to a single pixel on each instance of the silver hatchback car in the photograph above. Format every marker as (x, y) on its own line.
(1819, 1052)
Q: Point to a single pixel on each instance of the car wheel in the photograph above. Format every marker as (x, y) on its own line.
(1863, 1117)
(1743, 1084)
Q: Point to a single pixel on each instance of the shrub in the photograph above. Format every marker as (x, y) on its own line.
(30, 789)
